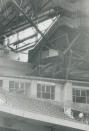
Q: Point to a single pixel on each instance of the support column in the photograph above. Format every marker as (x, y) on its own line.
(68, 91)
(67, 98)
(33, 88)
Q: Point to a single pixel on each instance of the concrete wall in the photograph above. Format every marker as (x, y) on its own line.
(10, 122)
(58, 92)
(67, 92)
(34, 88)
(29, 127)
(21, 125)
(6, 80)
(58, 89)
(10, 67)
(62, 92)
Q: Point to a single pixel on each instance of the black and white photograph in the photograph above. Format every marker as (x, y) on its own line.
(44, 65)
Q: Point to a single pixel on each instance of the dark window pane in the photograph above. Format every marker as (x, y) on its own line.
(43, 88)
(38, 90)
(81, 99)
(74, 92)
(16, 85)
(48, 89)
(46, 95)
(88, 100)
(87, 92)
(74, 99)
(77, 92)
(52, 96)
(38, 95)
(38, 87)
(52, 89)
(83, 92)
(11, 84)
(45, 91)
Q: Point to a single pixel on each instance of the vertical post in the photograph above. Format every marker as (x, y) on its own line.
(69, 59)
(69, 65)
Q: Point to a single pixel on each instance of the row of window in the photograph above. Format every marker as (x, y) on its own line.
(80, 96)
(46, 91)
(80, 92)
(43, 90)
(18, 86)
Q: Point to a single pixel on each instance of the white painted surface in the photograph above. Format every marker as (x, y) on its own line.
(68, 92)
(34, 89)
(58, 92)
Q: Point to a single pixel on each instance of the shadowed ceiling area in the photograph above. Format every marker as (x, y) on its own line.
(72, 60)
(14, 13)
(67, 36)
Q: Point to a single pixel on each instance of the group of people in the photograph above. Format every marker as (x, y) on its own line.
(84, 118)
(80, 116)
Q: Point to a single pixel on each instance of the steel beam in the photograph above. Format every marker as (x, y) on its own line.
(71, 44)
(69, 66)
(20, 41)
(29, 20)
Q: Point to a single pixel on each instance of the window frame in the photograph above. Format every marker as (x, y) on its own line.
(20, 89)
(43, 91)
(84, 98)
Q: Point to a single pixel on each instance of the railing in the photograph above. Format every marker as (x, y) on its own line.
(81, 107)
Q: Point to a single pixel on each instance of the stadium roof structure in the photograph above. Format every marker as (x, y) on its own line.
(17, 15)
(72, 21)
